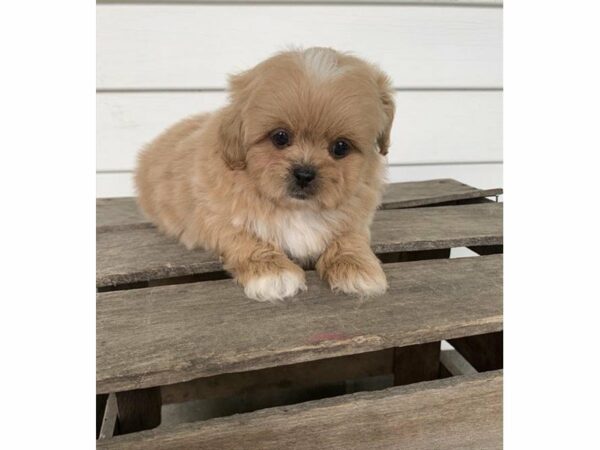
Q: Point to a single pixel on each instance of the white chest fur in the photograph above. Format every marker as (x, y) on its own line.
(303, 234)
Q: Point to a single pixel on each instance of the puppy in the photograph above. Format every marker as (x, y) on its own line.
(289, 173)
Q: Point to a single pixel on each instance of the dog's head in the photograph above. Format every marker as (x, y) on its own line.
(308, 126)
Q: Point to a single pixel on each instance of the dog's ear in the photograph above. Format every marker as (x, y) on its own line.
(231, 134)
(231, 128)
(386, 94)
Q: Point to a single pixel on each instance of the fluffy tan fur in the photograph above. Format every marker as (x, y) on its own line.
(217, 180)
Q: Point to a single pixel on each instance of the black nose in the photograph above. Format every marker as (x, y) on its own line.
(304, 175)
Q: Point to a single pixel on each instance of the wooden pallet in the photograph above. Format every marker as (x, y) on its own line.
(172, 328)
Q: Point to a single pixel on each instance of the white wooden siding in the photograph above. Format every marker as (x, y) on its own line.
(195, 46)
(159, 61)
(492, 3)
(430, 127)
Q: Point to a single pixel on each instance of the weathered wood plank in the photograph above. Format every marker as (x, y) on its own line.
(455, 413)
(119, 213)
(436, 228)
(134, 255)
(171, 334)
(431, 192)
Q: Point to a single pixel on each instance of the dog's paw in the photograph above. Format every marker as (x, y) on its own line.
(271, 287)
(364, 277)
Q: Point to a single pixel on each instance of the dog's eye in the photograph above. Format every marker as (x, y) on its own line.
(340, 148)
(281, 138)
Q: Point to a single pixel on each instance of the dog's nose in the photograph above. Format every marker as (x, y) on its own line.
(304, 175)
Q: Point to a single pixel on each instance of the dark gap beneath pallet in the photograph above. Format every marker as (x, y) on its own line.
(484, 352)
(394, 257)
(204, 409)
(195, 278)
(235, 393)
(229, 394)
(487, 249)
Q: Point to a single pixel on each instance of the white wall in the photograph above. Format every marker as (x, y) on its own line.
(158, 61)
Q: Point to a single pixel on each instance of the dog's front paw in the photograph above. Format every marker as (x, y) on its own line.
(270, 287)
(358, 276)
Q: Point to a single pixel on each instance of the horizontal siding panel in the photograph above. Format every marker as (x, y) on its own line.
(430, 127)
(493, 3)
(484, 176)
(194, 46)
(114, 185)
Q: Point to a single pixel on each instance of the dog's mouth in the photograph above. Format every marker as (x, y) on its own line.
(301, 193)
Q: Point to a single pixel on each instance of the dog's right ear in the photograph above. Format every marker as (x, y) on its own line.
(231, 134)
(231, 129)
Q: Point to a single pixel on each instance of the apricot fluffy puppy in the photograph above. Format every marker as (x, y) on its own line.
(289, 173)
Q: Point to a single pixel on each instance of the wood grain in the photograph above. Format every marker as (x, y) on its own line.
(171, 334)
(431, 192)
(436, 227)
(119, 213)
(123, 212)
(455, 413)
(142, 254)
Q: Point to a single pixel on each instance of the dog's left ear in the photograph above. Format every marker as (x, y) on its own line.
(386, 94)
